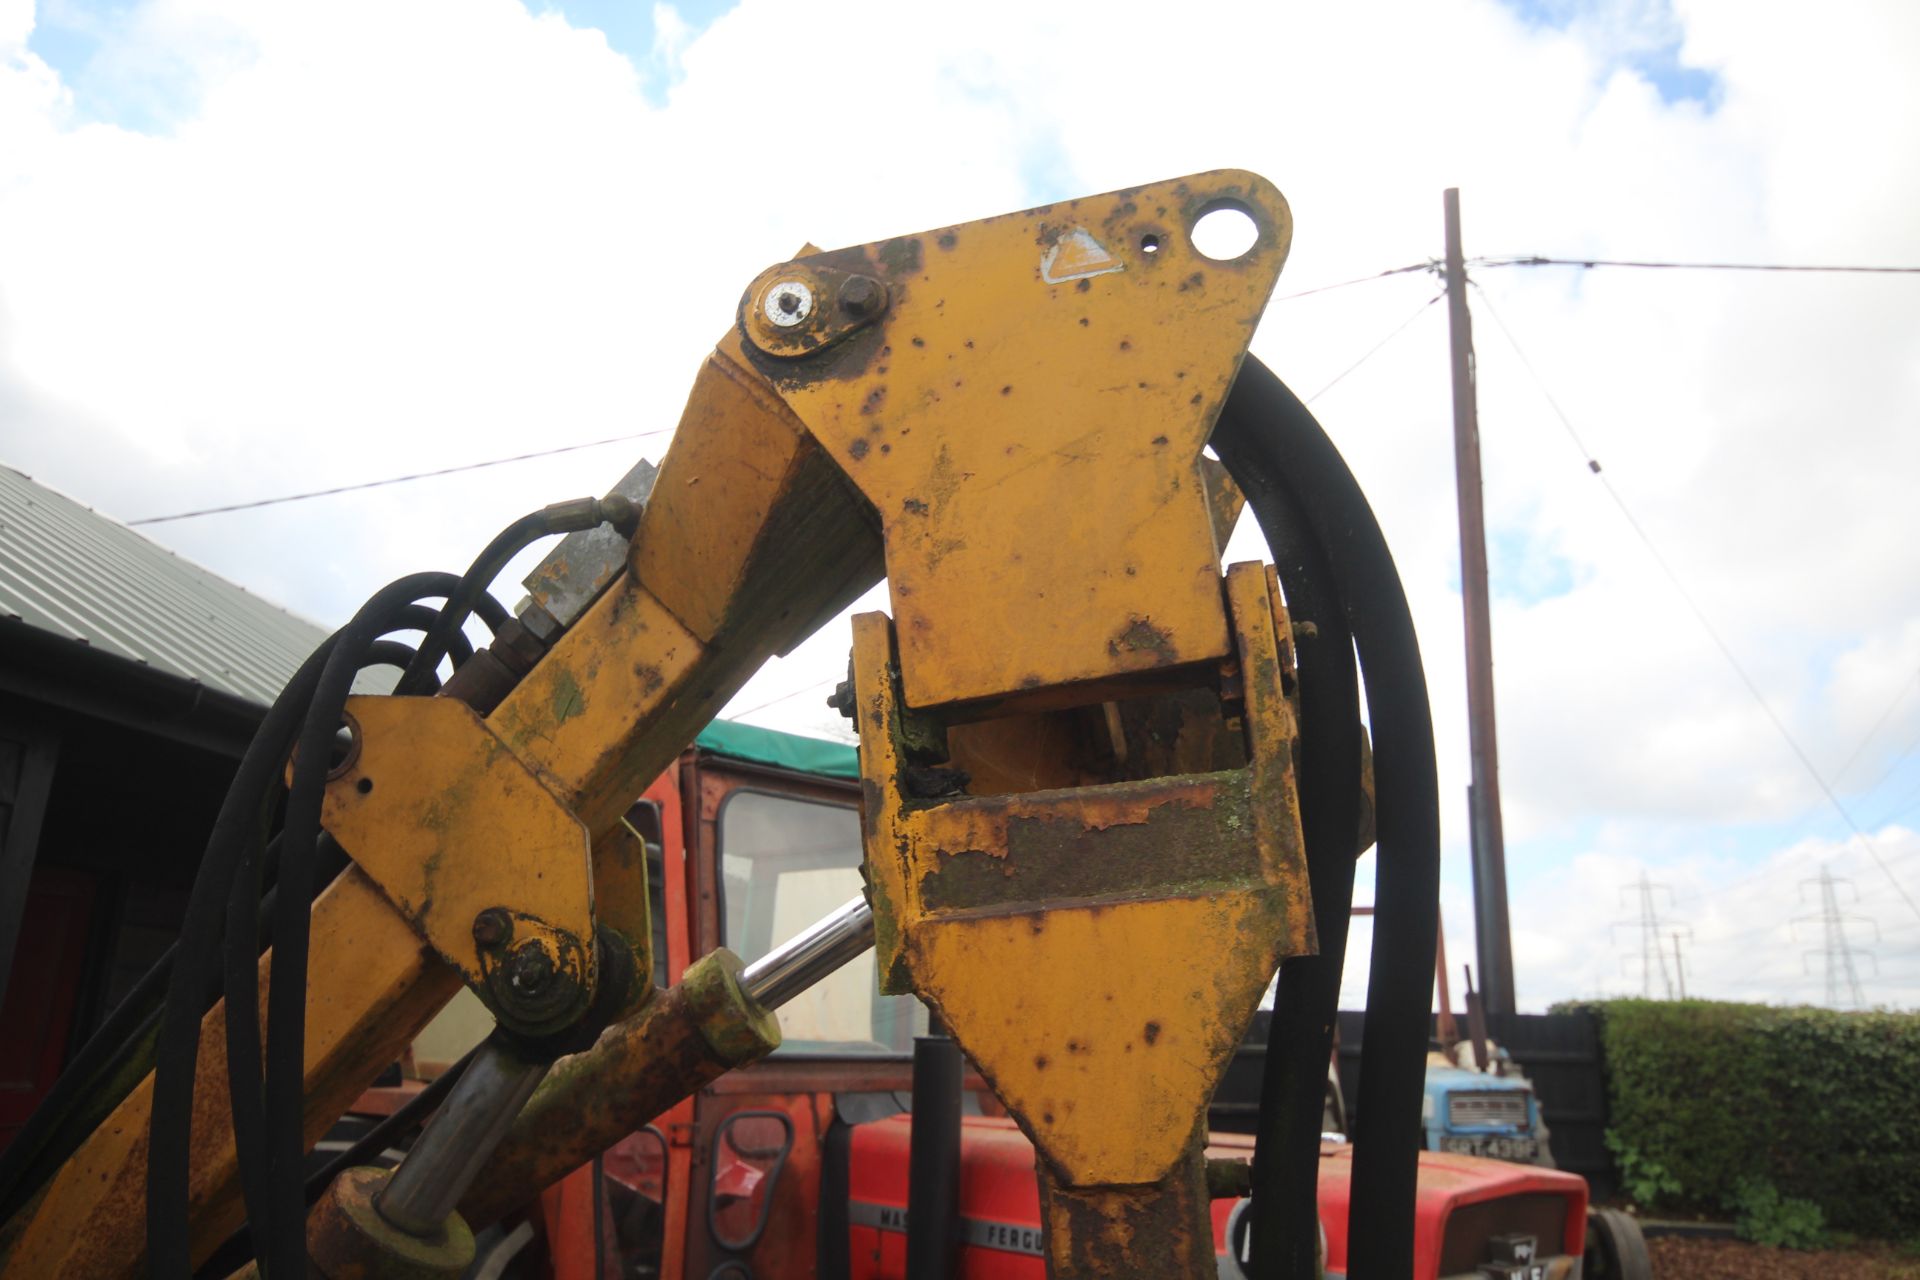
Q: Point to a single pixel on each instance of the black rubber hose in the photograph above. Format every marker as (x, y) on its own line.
(122, 1050)
(117, 1057)
(491, 612)
(169, 1247)
(1284, 1215)
(421, 618)
(467, 596)
(242, 974)
(284, 1085)
(237, 1250)
(1288, 452)
(391, 653)
(169, 1136)
(242, 989)
(933, 1159)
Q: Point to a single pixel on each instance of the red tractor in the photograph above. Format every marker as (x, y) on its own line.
(798, 1166)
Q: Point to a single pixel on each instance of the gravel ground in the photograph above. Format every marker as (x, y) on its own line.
(1676, 1259)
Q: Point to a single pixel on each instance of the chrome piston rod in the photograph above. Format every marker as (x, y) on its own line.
(459, 1140)
(810, 956)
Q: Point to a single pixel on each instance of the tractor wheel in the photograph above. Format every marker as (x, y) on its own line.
(1615, 1248)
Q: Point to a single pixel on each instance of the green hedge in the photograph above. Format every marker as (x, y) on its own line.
(1710, 1101)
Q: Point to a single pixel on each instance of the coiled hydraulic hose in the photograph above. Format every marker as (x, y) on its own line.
(121, 1050)
(1318, 522)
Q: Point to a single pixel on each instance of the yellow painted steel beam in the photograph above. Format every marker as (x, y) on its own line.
(378, 986)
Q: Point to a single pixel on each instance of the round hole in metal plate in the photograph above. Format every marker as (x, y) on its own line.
(1225, 231)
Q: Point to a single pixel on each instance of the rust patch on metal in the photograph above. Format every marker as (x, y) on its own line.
(902, 256)
(1158, 1229)
(1141, 636)
(1188, 839)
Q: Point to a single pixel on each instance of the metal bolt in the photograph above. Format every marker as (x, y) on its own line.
(530, 969)
(841, 699)
(862, 296)
(492, 927)
(788, 303)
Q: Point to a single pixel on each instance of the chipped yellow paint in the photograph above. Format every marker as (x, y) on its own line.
(1032, 447)
(1026, 418)
(1109, 1052)
(449, 822)
(575, 717)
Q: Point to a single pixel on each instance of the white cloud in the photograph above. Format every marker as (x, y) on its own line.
(370, 239)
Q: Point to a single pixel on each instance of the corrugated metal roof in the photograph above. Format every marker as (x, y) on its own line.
(71, 571)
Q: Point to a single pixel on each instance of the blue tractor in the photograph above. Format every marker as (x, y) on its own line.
(1474, 1114)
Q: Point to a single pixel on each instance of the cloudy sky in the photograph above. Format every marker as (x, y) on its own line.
(255, 249)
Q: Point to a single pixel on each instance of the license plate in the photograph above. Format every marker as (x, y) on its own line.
(1495, 1146)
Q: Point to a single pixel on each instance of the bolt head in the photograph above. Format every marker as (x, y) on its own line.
(530, 969)
(861, 296)
(492, 927)
(841, 699)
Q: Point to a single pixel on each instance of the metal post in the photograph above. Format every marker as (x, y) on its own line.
(933, 1160)
(1495, 944)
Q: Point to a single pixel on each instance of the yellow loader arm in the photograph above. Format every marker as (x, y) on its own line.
(1077, 742)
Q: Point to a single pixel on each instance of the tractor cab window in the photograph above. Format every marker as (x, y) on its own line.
(785, 863)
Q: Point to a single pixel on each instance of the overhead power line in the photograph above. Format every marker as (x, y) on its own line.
(1378, 275)
(785, 697)
(1911, 682)
(1700, 616)
(1396, 331)
(416, 475)
(1534, 260)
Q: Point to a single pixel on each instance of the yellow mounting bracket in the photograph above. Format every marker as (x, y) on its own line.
(1024, 401)
(474, 850)
(1058, 932)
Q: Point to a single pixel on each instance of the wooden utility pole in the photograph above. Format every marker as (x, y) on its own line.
(1495, 943)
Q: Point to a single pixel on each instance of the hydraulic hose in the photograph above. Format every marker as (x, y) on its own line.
(1284, 1214)
(1281, 458)
(239, 830)
(283, 1090)
(471, 593)
(121, 1050)
(421, 618)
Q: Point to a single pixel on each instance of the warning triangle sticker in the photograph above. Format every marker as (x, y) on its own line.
(1075, 256)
